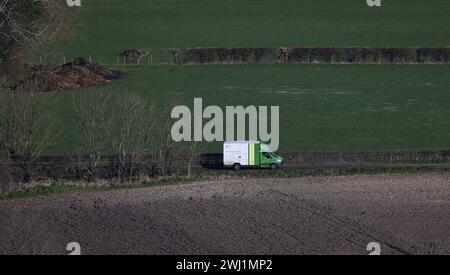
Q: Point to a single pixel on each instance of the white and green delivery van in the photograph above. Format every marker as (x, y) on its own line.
(237, 154)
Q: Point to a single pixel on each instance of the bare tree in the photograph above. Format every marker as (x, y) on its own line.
(26, 129)
(133, 140)
(175, 55)
(5, 164)
(191, 152)
(166, 149)
(4, 172)
(95, 121)
(32, 26)
(8, 182)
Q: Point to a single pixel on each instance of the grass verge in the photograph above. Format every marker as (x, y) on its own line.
(62, 187)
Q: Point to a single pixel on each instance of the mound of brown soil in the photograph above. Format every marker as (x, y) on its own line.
(71, 76)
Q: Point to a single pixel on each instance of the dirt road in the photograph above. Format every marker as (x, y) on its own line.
(316, 215)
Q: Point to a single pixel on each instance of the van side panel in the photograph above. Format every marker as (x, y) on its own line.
(236, 153)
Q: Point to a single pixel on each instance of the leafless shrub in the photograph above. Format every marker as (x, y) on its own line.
(259, 54)
(191, 151)
(283, 55)
(365, 54)
(298, 55)
(241, 55)
(314, 55)
(26, 129)
(166, 149)
(201, 55)
(133, 56)
(35, 23)
(440, 55)
(346, 55)
(326, 55)
(175, 53)
(33, 26)
(95, 121)
(223, 54)
(133, 141)
(4, 172)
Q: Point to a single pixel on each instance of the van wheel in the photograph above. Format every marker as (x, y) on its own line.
(236, 166)
(274, 166)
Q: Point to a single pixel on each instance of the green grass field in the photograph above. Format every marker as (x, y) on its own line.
(111, 25)
(322, 107)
